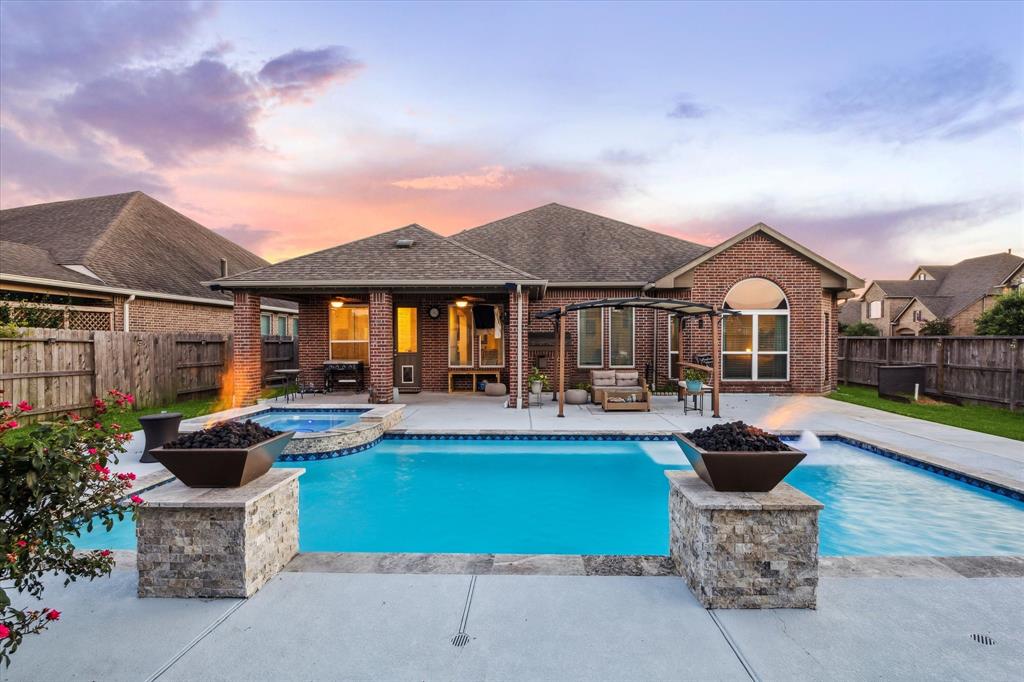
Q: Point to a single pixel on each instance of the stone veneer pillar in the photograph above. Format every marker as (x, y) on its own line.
(246, 350)
(382, 346)
(744, 550)
(217, 542)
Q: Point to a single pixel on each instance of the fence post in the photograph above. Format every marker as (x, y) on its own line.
(1013, 375)
(940, 366)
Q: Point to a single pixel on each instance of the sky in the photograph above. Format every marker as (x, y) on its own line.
(880, 135)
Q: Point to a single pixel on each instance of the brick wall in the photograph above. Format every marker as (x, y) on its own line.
(382, 345)
(156, 315)
(247, 349)
(964, 321)
(314, 339)
(761, 256)
(518, 388)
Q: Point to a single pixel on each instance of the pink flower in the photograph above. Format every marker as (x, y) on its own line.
(12, 424)
(24, 406)
(105, 552)
(74, 416)
(53, 615)
(22, 543)
(116, 427)
(131, 476)
(92, 451)
(5, 632)
(97, 425)
(4, 404)
(136, 499)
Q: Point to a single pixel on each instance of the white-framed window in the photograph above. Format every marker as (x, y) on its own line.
(874, 310)
(282, 325)
(918, 317)
(922, 275)
(621, 337)
(350, 333)
(295, 327)
(755, 343)
(265, 325)
(460, 336)
(492, 342)
(589, 337)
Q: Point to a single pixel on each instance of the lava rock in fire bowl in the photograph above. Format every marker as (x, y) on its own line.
(227, 455)
(737, 457)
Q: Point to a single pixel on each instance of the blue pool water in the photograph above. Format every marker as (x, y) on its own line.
(594, 497)
(305, 421)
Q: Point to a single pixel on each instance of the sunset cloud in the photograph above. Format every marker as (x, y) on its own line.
(491, 177)
(300, 72)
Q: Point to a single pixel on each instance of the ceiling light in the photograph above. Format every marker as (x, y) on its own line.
(461, 303)
(337, 304)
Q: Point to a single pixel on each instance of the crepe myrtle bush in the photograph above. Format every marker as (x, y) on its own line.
(54, 482)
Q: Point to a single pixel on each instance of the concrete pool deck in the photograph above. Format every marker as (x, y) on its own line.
(330, 626)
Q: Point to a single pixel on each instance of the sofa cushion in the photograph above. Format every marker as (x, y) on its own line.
(603, 377)
(627, 378)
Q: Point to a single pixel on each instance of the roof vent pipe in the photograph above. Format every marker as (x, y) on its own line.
(223, 267)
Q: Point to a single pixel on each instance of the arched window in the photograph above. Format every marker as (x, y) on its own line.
(755, 343)
(875, 310)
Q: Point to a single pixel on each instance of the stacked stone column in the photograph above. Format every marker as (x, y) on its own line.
(382, 345)
(247, 349)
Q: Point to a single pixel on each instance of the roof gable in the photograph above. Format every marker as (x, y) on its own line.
(430, 259)
(568, 245)
(844, 278)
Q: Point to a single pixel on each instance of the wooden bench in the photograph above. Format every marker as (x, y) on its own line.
(474, 374)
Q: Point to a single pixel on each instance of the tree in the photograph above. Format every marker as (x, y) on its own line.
(1005, 318)
(54, 482)
(940, 326)
(859, 329)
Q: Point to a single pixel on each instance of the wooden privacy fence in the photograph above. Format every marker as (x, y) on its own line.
(57, 370)
(987, 369)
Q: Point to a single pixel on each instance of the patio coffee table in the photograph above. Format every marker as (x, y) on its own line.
(632, 400)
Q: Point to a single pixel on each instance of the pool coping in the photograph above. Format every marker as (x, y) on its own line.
(961, 567)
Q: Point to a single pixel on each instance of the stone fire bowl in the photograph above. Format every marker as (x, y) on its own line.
(222, 467)
(739, 472)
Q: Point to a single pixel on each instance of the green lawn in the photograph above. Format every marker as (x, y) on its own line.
(998, 422)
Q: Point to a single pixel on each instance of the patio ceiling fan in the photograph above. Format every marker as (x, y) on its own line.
(340, 301)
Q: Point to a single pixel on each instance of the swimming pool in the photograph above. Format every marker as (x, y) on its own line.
(610, 497)
(305, 421)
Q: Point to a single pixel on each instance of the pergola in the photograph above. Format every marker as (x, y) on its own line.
(678, 308)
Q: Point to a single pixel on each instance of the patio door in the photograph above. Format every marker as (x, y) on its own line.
(407, 350)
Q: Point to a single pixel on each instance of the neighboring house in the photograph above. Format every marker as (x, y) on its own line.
(124, 262)
(959, 293)
(421, 311)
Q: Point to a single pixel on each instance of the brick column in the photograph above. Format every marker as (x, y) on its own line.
(314, 339)
(247, 349)
(382, 345)
(511, 339)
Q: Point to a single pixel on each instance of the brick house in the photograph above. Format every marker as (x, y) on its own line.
(959, 293)
(124, 262)
(423, 312)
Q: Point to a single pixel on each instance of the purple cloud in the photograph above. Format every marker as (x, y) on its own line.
(42, 43)
(31, 174)
(941, 96)
(687, 108)
(248, 236)
(169, 113)
(294, 74)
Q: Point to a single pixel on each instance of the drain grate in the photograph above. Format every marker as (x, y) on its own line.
(983, 639)
(461, 639)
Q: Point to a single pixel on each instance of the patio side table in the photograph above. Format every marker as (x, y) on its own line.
(159, 429)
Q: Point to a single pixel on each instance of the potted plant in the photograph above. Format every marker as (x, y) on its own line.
(694, 380)
(537, 380)
(579, 395)
(226, 455)
(736, 457)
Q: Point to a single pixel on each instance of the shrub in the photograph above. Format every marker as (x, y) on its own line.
(859, 329)
(54, 479)
(1005, 318)
(940, 326)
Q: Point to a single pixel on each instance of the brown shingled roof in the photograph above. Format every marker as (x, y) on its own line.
(130, 241)
(431, 258)
(563, 244)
